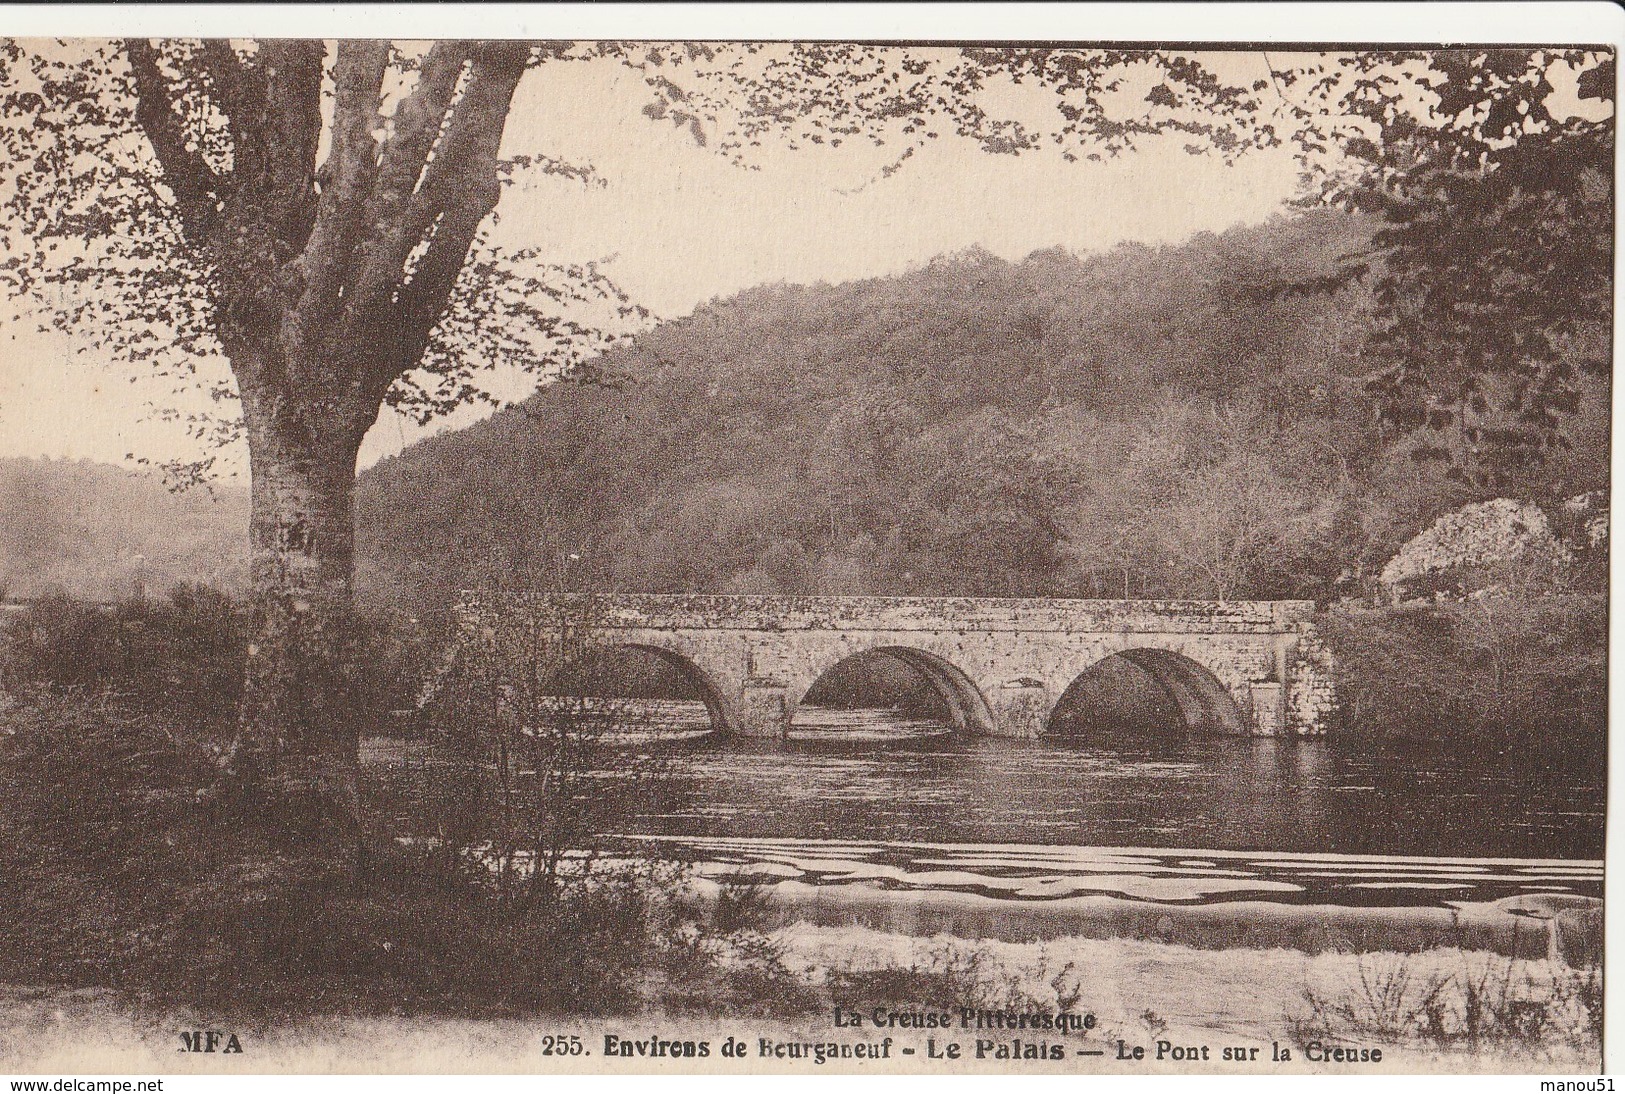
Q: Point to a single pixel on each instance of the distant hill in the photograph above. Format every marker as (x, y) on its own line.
(1147, 422)
(98, 531)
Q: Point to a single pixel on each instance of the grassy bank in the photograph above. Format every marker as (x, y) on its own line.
(1443, 1010)
(131, 866)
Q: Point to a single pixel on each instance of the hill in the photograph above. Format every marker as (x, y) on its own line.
(99, 532)
(1146, 422)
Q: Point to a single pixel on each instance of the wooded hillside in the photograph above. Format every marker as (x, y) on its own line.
(1174, 421)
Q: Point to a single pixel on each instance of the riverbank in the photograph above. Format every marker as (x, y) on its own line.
(1443, 1010)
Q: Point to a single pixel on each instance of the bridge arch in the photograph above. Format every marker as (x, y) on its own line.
(967, 709)
(704, 686)
(1194, 700)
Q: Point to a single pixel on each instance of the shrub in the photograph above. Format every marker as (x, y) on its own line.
(954, 975)
(523, 722)
(393, 935)
(1476, 1001)
(722, 962)
(182, 654)
(105, 819)
(1521, 671)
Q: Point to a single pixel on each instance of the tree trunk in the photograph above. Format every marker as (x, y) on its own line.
(295, 756)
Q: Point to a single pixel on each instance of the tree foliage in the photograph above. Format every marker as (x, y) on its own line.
(743, 96)
(1491, 171)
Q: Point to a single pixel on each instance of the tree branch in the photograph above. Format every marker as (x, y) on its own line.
(291, 130)
(386, 240)
(229, 78)
(459, 188)
(426, 295)
(463, 170)
(415, 126)
(348, 174)
(193, 182)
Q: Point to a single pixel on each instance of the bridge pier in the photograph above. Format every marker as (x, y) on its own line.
(1268, 703)
(1021, 709)
(763, 710)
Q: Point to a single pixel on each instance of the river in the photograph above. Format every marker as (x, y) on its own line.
(869, 796)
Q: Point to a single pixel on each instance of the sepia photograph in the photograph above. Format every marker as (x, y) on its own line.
(731, 553)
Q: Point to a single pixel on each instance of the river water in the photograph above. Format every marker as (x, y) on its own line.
(869, 796)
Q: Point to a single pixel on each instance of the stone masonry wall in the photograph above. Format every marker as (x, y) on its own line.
(1312, 693)
(1009, 660)
(782, 613)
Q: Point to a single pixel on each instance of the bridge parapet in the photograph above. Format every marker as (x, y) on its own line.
(656, 611)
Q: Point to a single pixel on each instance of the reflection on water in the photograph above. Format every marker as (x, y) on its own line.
(860, 726)
(851, 779)
(903, 780)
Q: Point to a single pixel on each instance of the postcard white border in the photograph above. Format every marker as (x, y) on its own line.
(1588, 22)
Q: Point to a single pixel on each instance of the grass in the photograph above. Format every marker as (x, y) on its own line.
(1469, 1002)
(956, 974)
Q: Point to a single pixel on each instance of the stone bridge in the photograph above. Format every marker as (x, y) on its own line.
(1001, 665)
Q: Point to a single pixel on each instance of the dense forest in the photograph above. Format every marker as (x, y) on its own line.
(1177, 421)
(1184, 421)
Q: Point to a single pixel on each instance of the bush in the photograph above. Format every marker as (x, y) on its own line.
(306, 936)
(523, 721)
(1480, 1001)
(721, 962)
(1513, 671)
(955, 975)
(183, 654)
(105, 820)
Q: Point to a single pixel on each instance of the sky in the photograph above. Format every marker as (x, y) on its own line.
(676, 225)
